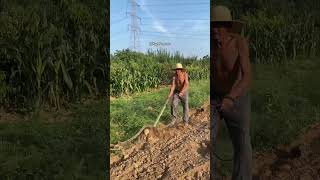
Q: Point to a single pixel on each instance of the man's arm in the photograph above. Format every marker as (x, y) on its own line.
(173, 86)
(245, 65)
(186, 84)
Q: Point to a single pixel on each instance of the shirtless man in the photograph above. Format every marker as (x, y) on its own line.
(179, 92)
(229, 86)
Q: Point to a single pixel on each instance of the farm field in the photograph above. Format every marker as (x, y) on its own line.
(53, 73)
(284, 104)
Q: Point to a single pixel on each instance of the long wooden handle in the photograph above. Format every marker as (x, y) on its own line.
(162, 110)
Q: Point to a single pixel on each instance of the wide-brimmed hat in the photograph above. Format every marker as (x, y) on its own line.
(178, 66)
(222, 14)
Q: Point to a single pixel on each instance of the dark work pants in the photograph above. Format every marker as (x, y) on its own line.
(237, 120)
(185, 104)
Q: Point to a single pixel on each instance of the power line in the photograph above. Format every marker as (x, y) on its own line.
(175, 37)
(175, 23)
(186, 25)
(174, 33)
(202, 32)
(134, 27)
(119, 20)
(178, 38)
(127, 5)
(117, 14)
(171, 33)
(170, 4)
(116, 36)
(179, 1)
(192, 1)
(181, 12)
(185, 19)
(117, 32)
(182, 28)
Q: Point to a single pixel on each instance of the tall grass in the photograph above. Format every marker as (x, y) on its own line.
(51, 52)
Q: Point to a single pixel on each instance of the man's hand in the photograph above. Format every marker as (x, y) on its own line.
(180, 94)
(227, 104)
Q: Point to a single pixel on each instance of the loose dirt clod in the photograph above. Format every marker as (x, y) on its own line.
(172, 153)
(298, 161)
(146, 132)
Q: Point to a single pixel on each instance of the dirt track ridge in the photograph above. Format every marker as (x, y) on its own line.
(182, 152)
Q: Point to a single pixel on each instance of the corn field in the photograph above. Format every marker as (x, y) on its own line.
(279, 38)
(136, 72)
(51, 52)
(279, 31)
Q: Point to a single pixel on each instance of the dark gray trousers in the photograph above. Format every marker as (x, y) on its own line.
(185, 104)
(237, 120)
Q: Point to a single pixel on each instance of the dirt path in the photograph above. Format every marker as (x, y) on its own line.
(182, 152)
(178, 152)
(298, 161)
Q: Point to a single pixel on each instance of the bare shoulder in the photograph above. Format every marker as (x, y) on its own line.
(242, 44)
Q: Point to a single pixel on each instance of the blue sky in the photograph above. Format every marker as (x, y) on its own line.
(182, 23)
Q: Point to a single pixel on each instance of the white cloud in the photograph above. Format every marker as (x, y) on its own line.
(159, 27)
(156, 23)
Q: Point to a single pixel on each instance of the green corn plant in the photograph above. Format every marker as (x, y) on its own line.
(135, 72)
(38, 68)
(55, 87)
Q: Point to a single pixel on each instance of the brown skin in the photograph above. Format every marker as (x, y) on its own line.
(180, 81)
(232, 73)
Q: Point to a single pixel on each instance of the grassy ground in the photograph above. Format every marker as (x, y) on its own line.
(285, 100)
(129, 114)
(62, 150)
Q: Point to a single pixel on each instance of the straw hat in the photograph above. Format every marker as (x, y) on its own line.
(178, 66)
(220, 14)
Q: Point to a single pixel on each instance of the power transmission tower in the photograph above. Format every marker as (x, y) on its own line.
(134, 26)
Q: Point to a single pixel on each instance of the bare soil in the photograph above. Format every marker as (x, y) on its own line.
(182, 152)
(298, 161)
(177, 152)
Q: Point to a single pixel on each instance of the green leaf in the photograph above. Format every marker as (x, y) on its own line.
(66, 77)
(86, 83)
